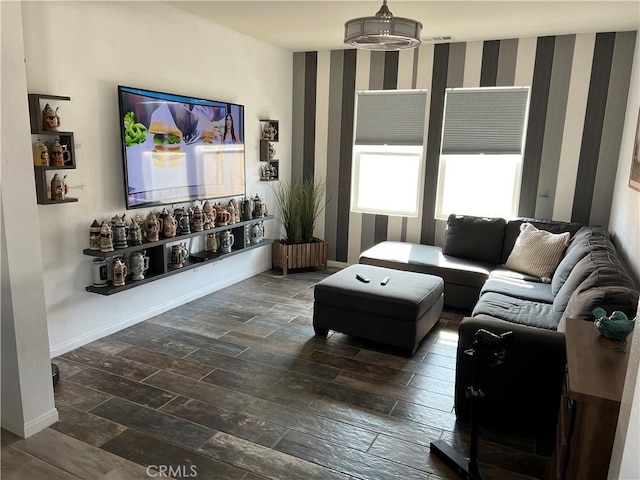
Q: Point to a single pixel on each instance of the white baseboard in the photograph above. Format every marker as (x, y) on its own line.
(43, 421)
(156, 310)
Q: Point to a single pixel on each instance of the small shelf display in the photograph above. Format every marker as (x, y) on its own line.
(271, 170)
(152, 260)
(53, 149)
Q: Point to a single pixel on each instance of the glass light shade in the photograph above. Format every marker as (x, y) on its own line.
(382, 32)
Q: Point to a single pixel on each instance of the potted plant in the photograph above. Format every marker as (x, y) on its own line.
(299, 204)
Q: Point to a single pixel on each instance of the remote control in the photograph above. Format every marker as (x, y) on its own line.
(362, 278)
(384, 281)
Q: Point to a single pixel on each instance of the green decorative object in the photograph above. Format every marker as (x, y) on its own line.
(616, 327)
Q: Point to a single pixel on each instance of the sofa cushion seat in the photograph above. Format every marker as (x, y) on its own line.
(516, 310)
(519, 288)
(427, 259)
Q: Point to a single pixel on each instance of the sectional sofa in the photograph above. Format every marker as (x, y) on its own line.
(522, 395)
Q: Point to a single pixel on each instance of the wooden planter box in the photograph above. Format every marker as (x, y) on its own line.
(299, 255)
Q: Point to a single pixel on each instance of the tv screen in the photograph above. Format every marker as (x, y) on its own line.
(179, 148)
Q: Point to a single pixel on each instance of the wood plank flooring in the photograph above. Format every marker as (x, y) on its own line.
(235, 385)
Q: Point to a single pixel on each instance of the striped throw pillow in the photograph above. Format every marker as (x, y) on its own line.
(537, 252)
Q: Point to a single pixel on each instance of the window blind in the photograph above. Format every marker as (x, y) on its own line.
(487, 120)
(390, 117)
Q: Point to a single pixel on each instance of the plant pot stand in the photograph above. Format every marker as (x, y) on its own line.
(299, 255)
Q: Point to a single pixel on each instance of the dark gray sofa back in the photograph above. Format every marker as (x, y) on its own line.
(474, 238)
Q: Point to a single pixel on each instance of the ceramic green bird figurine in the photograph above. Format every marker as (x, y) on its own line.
(617, 326)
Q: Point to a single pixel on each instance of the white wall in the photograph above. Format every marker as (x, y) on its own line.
(84, 50)
(27, 390)
(625, 224)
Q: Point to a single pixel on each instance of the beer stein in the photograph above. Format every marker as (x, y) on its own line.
(179, 255)
(106, 238)
(94, 236)
(223, 217)
(58, 188)
(139, 263)
(246, 209)
(212, 242)
(226, 241)
(50, 118)
(135, 233)
(152, 228)
(169, 226)
(119, 272)
(40, 154)
(120, 233)
(198, 220)
(56, 154)
(99, 272)
(255, 233)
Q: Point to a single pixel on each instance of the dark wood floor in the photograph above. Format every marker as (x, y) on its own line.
(235, 386)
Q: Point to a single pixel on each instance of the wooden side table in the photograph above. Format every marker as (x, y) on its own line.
(590, 403)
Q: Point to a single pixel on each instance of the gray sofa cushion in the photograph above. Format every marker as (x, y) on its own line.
(516, 310)
(427, 259)
(608, 286)
(519, 288)
(578, 274)
(586, 240)
(407, 295)
(474, 238)
(512, 230)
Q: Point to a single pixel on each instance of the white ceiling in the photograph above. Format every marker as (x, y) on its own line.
(308, 25)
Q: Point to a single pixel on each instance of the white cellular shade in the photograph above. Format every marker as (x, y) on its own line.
(486, 120)
(390, 117)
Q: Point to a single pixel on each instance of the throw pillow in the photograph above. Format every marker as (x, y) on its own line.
(537, 252)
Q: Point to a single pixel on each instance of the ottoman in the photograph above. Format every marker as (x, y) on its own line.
(399, 313)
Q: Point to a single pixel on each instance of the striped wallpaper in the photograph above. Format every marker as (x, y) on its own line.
(579, 87)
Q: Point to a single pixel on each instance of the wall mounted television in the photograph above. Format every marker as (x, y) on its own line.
(178, 148)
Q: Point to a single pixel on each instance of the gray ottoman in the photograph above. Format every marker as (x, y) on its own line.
(399, 313)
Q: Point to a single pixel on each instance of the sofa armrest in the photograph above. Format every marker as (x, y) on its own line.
(522, 395)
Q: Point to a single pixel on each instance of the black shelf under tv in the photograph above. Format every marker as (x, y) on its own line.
(159, 255)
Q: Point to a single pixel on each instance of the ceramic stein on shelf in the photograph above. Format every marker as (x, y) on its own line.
(246, 209)
(223, 217)
(139, 263)
(106, 238)
(152, 228)
(179, 255)
(135, 233)
(212, 242)
(40, 154)
(198, 220)
(120, 233)
(56, 154)
(94, 236)
(50, 118)
(119, 272)
(226, 241)
(99, 272)
(169, 226)
(58, 188)
(255, 233)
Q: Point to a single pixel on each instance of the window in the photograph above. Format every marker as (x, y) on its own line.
(482, 150)
(388, 160)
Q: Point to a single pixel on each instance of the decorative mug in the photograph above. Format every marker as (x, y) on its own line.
(40, 154)
(94, 236)
(139, 263)
(226, 241)
(106, 238)
(212, 242)
(119, 273)
(50, 118)
(58, 188)
(56, 154)
(223, 217)
(99, 272)
(179, 254)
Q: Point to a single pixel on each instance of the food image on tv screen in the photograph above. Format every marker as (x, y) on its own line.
(179, 148)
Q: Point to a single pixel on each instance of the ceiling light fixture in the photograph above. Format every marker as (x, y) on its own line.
(382, 32)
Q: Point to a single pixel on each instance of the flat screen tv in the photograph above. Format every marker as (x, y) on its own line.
(178, 148)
